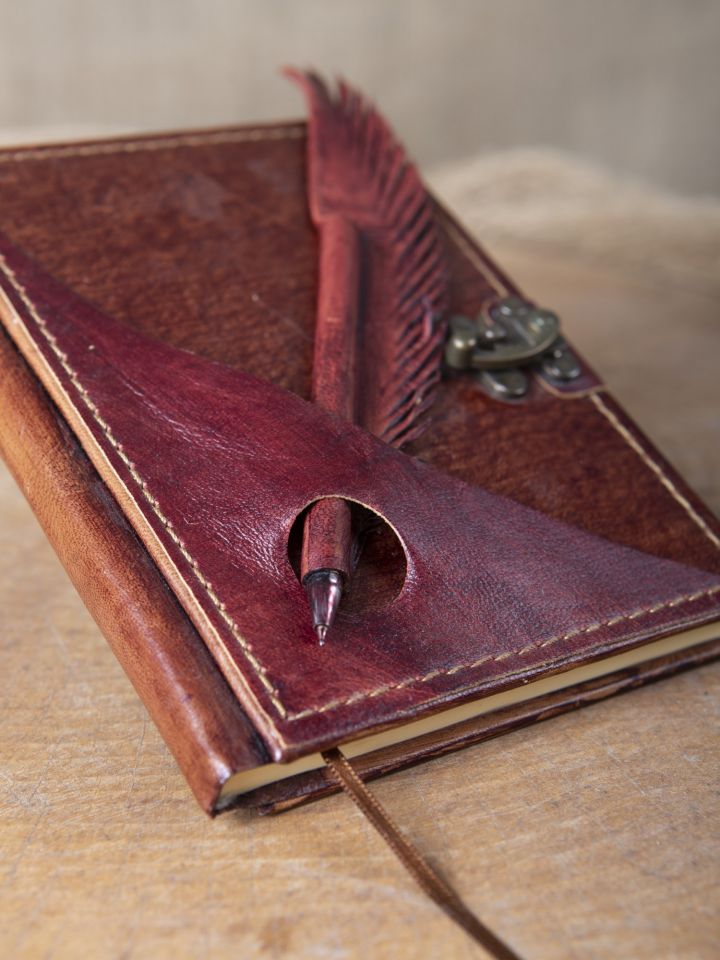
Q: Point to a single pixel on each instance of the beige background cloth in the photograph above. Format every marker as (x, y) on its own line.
(631, 84)
(586, 837)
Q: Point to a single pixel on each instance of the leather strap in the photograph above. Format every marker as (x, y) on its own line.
(428, 879)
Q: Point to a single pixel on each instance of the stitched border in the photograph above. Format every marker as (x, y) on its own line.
(656, 469)
(278, 133)
(494, 658)
(142, 484)
(246, 135)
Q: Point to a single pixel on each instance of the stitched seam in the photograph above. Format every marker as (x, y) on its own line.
(158, 143)
(656, 469)
(166, 523)
(490, 658)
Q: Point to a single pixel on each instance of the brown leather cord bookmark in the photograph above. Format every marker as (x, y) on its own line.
(430, 882)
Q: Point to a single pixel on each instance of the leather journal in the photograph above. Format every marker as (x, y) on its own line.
(531, 551)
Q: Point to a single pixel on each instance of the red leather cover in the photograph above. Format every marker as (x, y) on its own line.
(162, 290)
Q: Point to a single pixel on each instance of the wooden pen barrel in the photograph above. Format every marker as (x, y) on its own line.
(327, 535)
(327, 538)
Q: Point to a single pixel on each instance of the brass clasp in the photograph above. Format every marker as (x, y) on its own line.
(510, 335)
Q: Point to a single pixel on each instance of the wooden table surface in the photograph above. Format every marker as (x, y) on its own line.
(593, 835)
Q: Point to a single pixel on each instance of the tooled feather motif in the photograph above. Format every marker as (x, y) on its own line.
(358, 171)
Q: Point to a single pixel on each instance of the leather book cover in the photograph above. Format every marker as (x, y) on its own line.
(159, 294)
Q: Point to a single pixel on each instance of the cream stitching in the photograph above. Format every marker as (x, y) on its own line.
(357, 697)
(167, 524)
(297, 132)
(155, 143)
(656, 469)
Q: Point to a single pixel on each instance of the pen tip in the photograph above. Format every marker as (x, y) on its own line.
(324, 589)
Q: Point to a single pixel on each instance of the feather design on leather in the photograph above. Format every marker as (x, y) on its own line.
(363, 190)
(381, 290)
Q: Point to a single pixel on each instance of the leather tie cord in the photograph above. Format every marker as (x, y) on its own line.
(430, 882)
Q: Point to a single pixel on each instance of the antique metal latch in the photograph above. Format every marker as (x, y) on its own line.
(511, 335)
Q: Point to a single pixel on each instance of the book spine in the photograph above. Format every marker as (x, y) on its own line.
(168, 664)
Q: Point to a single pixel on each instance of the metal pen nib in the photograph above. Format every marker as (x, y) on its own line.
(324, 589)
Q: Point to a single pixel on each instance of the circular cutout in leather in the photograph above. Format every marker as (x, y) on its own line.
(380, 568)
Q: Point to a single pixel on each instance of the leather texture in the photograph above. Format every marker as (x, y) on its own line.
(202, 242)
(150, 634)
